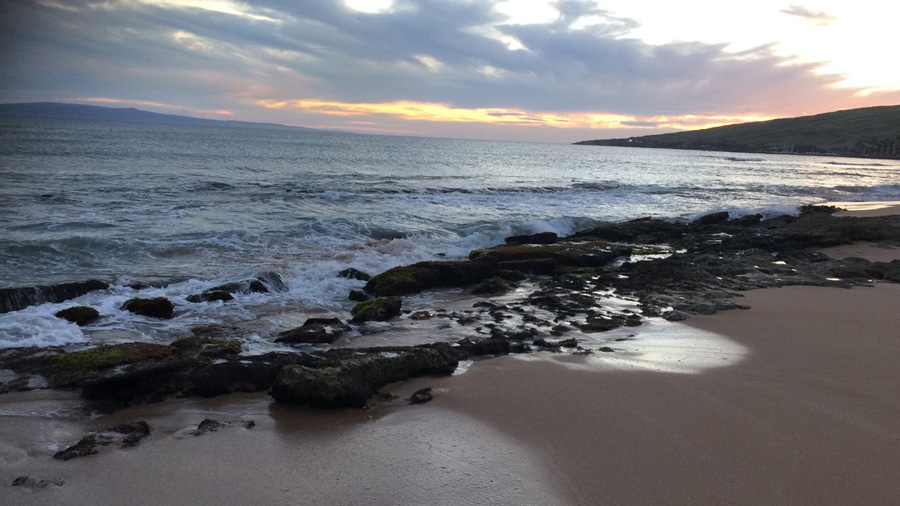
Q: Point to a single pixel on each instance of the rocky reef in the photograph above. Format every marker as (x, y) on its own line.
(557, 289)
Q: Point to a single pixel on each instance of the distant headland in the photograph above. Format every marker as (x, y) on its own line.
(871, 132)
(60, 110)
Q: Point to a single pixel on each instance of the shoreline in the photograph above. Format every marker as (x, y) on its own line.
(801, 415)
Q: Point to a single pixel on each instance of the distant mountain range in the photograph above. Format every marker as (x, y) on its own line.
(868, 132)
(130, 115)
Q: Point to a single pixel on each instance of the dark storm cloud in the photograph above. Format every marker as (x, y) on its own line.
(428, 51)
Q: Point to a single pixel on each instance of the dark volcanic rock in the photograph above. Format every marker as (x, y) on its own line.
(265, 282)
(421, 396)
(210, 296)
(377, 309)
(33, 484)
(14, 299)
(351, 382)
(352, 273)
(712, 219)
(642, 230)
(424, 275)
(122, 436)
(583, 254)
(470, 347)
(314, 331)
(493, 285)
(357, 296)
(158, 307)
(79, 315)
(540, 238)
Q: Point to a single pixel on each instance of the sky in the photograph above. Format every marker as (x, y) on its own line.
(521, 70)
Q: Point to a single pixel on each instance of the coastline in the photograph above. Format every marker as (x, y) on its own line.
(807, 416)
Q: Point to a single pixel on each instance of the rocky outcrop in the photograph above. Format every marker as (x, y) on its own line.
(14, 299)
(425, 275)
(351, 382)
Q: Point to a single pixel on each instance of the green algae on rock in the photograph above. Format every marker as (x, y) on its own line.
(79, 315)
(378, 309)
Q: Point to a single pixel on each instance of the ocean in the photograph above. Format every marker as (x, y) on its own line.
(161, 210)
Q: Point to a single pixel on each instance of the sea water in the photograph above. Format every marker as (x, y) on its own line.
(180, 209)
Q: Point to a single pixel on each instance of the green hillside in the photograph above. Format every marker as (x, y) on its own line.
(868, 132)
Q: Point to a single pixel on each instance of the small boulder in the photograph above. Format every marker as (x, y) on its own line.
(158, 307)
(211, 296)
(352, 273)
(79, 315)
(377, 309)
(421, 396)
(314, 331)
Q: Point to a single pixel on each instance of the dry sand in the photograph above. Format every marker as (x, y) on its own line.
(800, 404)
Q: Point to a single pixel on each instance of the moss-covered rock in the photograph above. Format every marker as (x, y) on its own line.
(158, 307)
(314, 331)
(378, 309)
(358, 296)
(78, 367)
(208, 347)
(424, 275)
(494, 285)
(79, 315)
(352, 381)
(584, 254)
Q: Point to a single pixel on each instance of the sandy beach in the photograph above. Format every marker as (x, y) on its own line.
(795, 401)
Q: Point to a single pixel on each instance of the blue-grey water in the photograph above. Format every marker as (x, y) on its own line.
(187, 208)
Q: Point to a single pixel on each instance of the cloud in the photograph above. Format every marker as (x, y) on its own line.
(817, 18)
(458, 62)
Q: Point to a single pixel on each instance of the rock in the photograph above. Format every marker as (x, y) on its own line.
(211, 296)
(314, 331)
(33, 484)
(358, 296)
(351, 382)
(421, 315)
(565, 343)
(493, 285)
(712, 219)
(78, 367)
(158, 307)
(377, 309)
(123, 436)
(352, 273)
(675, 316)
(606, 349)
(540, 238)
(583, 254)
(14, 299)
(642, 230)
(421, 396)
(208, 425)
(205, 347)
(265, 282)
(424, 275)
(79, 315)
(470, 347)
